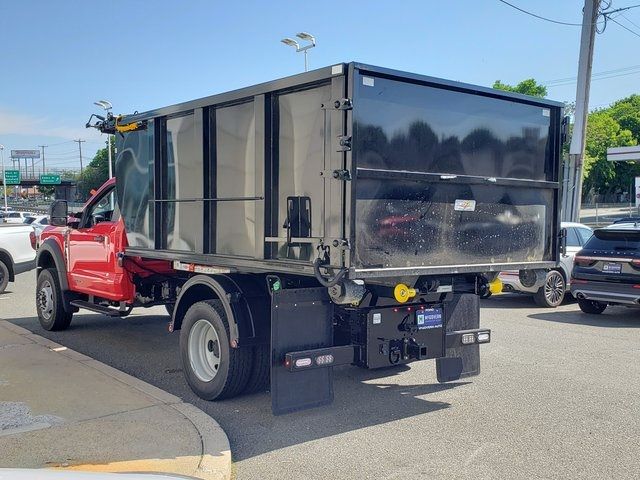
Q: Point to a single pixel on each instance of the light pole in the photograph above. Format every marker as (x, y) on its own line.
(4, 178)
(107, 107)
(302, 36)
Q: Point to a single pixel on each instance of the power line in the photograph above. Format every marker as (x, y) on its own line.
(539, 16)
(629, 20)
(623, 26)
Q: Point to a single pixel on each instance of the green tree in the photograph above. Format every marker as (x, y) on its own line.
(95, 173)
(526, 87)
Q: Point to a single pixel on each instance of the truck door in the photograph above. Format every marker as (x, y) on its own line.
(92, 248)
(307, 201)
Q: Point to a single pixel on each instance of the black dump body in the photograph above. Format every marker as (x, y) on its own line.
(387, 173)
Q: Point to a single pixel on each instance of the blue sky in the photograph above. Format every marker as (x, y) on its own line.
(58, 57)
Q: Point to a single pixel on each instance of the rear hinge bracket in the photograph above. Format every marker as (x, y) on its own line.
(344, 142)
(341, 243)
(340, 104)
(344, 175)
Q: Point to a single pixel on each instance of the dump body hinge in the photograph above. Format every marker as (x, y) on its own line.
(340, 104)
(344, 175)
(344, 142)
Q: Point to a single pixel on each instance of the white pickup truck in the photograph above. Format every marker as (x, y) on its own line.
(17, 251)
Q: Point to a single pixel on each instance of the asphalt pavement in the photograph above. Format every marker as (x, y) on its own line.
(557, 398)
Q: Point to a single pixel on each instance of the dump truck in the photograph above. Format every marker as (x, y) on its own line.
(347, 215)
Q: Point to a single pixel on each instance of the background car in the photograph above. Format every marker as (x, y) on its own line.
(38, 222)
(552, 293)
(607, 269)
(16, 217)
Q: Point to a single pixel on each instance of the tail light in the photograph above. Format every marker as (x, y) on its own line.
(32, 239)
(584, 261)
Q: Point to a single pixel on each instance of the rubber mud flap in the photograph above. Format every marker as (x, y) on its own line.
(462, 313)
(301, 319)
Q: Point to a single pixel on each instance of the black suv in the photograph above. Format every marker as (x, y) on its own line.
(607, 269)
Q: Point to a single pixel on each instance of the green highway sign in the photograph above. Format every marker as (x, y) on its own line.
(12, 177)
(50, 179)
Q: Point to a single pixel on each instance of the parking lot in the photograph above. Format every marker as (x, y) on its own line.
(557, 398)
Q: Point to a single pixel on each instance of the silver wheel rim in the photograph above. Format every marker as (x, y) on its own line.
(204, 350)
(45, 299)
(554, 288)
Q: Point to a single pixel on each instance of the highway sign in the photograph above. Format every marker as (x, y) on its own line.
(50, 179)
(618, 154)
(25, 153)
(12, 177)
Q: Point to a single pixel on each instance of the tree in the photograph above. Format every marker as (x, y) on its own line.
(526, 87)
(95, 173)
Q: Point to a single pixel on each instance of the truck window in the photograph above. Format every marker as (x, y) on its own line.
(104, 210)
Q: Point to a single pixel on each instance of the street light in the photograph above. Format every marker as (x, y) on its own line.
(302, 36)
(4, 178)
(107, 107)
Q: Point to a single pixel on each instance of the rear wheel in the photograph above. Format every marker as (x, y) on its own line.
(261, 371)
(4, 276)
(551, 294)
(212, 368)
(50, 302)
(591, 306)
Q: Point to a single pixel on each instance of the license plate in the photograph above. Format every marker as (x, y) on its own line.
(612, 268)
(429, 318)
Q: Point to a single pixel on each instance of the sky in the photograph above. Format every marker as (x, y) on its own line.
(58, 57)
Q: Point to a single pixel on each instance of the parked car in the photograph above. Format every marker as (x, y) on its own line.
(39, 223)
(557, 283)
(607, 269)
(17, 217)
(17, 252)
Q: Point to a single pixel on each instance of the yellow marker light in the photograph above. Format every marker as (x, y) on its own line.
(402, 293)
(495, 286)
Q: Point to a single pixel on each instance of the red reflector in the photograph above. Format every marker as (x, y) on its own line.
(573, 280)
(635, 262)
(636, 286)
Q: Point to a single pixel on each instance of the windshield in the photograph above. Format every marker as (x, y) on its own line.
(29, 220)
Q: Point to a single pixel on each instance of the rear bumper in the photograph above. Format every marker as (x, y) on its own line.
(606, 292)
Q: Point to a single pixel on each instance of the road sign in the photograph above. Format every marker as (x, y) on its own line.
(618, 154)
(50, 179)
(25, 153)
(12, 177)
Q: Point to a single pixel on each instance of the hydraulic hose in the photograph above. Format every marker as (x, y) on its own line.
(323, 281)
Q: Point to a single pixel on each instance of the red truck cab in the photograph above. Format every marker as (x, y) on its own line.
(85, 255)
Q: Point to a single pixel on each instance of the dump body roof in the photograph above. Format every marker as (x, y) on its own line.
(326, 73)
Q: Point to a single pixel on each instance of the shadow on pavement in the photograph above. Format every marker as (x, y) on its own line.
(140, 346)
(613, 317)
(519, 300)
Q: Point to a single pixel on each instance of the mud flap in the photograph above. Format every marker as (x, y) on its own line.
(463, 313)
(301, 319)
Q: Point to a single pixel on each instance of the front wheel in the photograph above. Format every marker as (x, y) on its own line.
(551, 294)
(591, 306)
(4, 276)
(212, 368)
(50, 302)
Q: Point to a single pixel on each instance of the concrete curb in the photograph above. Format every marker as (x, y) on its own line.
(215, 460)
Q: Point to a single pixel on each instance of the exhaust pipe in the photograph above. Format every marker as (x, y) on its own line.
(581, 296)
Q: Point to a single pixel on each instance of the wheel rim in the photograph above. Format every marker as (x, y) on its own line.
(45, 299)
(204, 350)
(554, 288)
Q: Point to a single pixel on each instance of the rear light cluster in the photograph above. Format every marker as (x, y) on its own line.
(584, 261)
(635, 264)
(32, 239)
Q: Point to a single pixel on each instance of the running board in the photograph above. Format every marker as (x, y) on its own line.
(111, 312)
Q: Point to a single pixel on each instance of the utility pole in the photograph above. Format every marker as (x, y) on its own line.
(573, 195)
(80, 142)
(44, 170)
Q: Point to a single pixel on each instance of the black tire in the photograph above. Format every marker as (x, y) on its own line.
(591, 306)
(552, 293)
(234, 364)
(4, 276)
(50, 302)
(260, 378)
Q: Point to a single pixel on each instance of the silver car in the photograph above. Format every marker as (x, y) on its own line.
(557, 283)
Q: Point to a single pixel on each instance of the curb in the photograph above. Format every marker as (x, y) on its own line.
(215, 460)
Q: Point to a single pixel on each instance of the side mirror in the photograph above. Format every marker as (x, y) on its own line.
(58, 213)
(563, 241)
